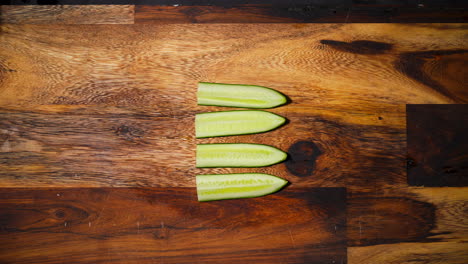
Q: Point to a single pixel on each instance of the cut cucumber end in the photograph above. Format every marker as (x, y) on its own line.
(235, 186)
(238, 95)
(237, 155)
(239, 122)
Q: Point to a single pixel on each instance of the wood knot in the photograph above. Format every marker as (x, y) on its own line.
(302, 157)
(129, 133)
(60, 214)
(410, 163)
(161, 233)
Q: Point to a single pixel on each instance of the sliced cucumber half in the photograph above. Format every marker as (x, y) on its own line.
(237, 155)
(233, 186)
(227, 123)
(238, 95)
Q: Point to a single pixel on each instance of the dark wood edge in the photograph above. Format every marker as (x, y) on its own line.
(254, 13)
(289, 13)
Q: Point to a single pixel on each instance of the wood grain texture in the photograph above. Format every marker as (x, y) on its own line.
(67, 14)
(437, 145)
(346, 84)
(417, 253)
(427, 225)
(113, 105)
(401, 215)
(208, 14)
(168, 225)
(297, 13)
(379, 219)
(96, 147)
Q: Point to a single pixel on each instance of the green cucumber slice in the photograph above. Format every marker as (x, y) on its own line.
(238, 95)
(233, 186)
(226, 123)
(237, 155)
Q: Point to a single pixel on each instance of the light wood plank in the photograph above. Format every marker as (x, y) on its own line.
(67, 14)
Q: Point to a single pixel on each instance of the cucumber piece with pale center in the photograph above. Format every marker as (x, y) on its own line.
(233, 186)
(227, 123)
(238, 95)
(230, 155)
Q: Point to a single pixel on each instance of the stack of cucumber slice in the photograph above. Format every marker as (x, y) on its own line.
(227, 123)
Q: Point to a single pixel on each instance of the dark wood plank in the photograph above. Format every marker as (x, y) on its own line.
(234, 14)
(408, 225)
(298, 13)
(228, 3)
(239, 11)
(168, 225)
(67, 14)
(438, 145)
(327, 3)
(397, 217)
(71, 2)
(200, 14)
(389, 14)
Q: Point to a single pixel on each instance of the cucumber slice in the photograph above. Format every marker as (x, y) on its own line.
(238, 95)
(237, 155)
(233, 186)
(226, 123)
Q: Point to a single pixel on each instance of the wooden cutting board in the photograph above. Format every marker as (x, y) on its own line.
(85, 106)
(114, 105)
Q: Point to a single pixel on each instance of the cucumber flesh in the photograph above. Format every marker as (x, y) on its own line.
(227, 123)
(238, 95)
(237, 155)
(233, 186)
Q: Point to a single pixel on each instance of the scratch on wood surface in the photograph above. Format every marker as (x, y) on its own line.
(170, 226)
(292, 238)
(347, 15)
(102, 209)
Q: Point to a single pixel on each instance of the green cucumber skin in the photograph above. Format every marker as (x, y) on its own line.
(244, 197)
(227, 135)
(253, 166)
(237, 106)
(284, 101)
